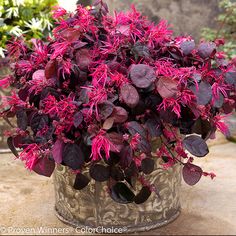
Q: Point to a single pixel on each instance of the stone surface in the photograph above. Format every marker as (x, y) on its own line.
(185, 16)
(27, 200)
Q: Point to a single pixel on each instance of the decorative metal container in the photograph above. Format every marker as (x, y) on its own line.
(93, 207)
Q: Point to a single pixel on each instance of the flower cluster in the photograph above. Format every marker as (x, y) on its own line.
(115, 94)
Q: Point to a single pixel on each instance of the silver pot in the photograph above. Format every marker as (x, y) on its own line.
(93, 207)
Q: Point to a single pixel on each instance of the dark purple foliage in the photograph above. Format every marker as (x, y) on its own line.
(73, 156)
(191, 173)
(187, 47)
(106, 93)
(142, 75)
(44, 166)
(121, 193)
(57, 151)
(147, 165)
(81, 181)
(129, 95)
(166, 87)
(99, 172)
(143, 195)
(12, 146)
(206, 50)
(196, 145)
(203, 92)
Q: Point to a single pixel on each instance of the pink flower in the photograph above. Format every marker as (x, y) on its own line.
(101, 143)
(100, 75)
(171, 103)
(30, 155)
(58, 12)
(59, 49)
(96, 95)
(211, 174)
(118, 79)
(16, 48)
(24, 68)
(13, 101)
(4, 83)
(158, 33)
(135, 141)
(40, 54)
(221, 125)
(65, 66)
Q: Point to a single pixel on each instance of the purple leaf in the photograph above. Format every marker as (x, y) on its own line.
(126, 156)
(121, 193)
(96, 2)
(38, 122)
(117, 140)
(22, 119)
(17, 141)
(219, 101)
(202, 127)
(11, 146)
(142, 75)
(119, 114)
(57, 151)
(99, 172)
(117, 173)
(144, 145)
(23, 93)
(44, 166)
(123, 29)
(192, 173)
(187, 47)
(203, 93)
(83, 58)
(134, 127)
(147, 165)
(108, 123)
(70, 34)
(196, 146)
(50, 69)
(230, 77)
(78, 118)
(143, 195)
(73, 156)
(153, 128)
(105, 109)
(166, 87)
(129, 95)
(140, 50)
(206, 50)
(81, 181)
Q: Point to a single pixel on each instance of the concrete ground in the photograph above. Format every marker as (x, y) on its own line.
(209, 208)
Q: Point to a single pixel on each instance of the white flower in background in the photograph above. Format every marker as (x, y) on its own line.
(18, 2)
(46, 22)
(1, 10)
(34, 24)
(2, 52)
(12, 12)
(16, 31)
(2, 22)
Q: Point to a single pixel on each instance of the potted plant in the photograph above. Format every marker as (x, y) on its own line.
(110, 105)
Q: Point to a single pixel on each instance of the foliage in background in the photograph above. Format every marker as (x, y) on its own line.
(31, 18)
(226, 27)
